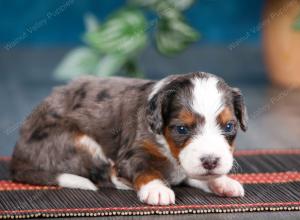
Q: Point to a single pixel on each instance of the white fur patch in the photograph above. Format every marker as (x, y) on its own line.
(156, 193)
(92, 147)
(208, 102)
(75, 182)
(198, 184)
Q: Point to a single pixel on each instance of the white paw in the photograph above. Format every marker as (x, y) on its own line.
(156, 193)
(225, 186)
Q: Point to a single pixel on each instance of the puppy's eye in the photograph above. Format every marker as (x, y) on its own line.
(229, 127)
(182, 129)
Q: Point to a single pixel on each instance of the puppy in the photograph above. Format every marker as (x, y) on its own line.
(134, 134)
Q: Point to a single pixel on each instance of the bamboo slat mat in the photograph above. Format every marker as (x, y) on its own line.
(271, 179)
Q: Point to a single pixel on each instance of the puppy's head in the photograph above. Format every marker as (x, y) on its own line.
(199, 115)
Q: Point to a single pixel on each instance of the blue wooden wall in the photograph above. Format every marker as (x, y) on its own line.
(219, 21)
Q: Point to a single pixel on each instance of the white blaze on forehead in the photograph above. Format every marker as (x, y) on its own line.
(207, 99)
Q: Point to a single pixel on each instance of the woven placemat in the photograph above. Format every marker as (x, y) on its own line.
(271, 179)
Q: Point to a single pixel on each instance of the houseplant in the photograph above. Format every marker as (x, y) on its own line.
(112, 47)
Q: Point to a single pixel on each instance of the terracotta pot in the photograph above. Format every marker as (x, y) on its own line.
(281, 42)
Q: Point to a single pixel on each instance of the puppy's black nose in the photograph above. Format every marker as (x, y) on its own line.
(210, 162)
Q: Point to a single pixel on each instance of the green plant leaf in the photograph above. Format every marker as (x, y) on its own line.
(124, 32)
(77, 62)
(132, 70)
(173, 36)
(180, 4)
(163, 4)
(114, 45)
(296, 25)
(91, 23)
(110, 64)
(144, 3)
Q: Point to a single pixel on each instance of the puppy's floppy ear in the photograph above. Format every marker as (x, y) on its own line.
(240, 109)
(160, 102)
(154, 111)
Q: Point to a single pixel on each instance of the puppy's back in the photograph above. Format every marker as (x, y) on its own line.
(89, 105)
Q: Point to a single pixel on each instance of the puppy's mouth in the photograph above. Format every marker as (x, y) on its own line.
(209, 175)
(206, 176)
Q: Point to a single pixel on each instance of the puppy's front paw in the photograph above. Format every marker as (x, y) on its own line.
(156, 193)
(225, 186)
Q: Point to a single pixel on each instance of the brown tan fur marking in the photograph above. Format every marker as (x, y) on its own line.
(173, 148)
(225, 116)
(187, 117)
(77, 139)
(85, 143)
(152, 148)
(145, 178)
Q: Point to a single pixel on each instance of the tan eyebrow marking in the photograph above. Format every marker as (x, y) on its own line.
(187, 117)
(225, 116)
